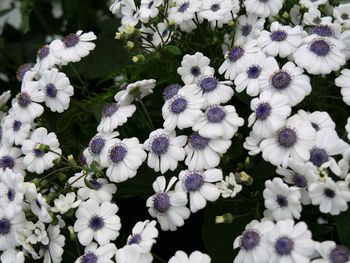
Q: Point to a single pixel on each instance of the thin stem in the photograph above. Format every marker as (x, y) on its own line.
(159, 258)
(55, 171)
(148, 117)
(80, 79)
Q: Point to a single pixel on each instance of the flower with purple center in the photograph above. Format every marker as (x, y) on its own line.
(96, 223)
(281, 200)
(339, 254)
(178, 105)
(51, 90)
(284, 246)
(299, 180)
(43, 52)
(22, 70)
(96, 145)
(71, 40)
(286, 137)
(246, 29)
(117, 153)
(323, 31)
(198, 142)
(253, 71)
(5, 226)
(109, 109)
(235, 53)
(161, 203)
(215, 7)
(215, 114)
(250, 239)
(320, 47)
(193, 182)
(7, 162)
(208, 84)
(281, 80)
(159, 145)
(278, 35)
(24, 99)
(183, 7)
(195, 71)
(16, 125)
(171, 90)
(318, 156)
(134, 239)
(95, 184)
(263, 111)
(89, 257)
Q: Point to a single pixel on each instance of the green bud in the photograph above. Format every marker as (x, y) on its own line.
(246, 178)
(224, 219)
(62, 177)
(72, 234)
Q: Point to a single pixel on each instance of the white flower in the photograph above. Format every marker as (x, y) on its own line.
(183, 10)
(98, 222)
(12, 256)
(330, 198)
(281, 200)
(318, 119)
(11, 192)
(282, 40)
(342, 15)
(183, 109)
(204, 153)
(229, 187)
(218, 122)
(53, 251)
(169, 207)
(101, 254)
(343, 81)
(344, 163)
(4, 97)
(270, 113)
(311, 3)
(39, 207)
(263, 8)
(193, 67)
(9, 226)
(101, 191)
(320, 55)
(200, 186)
(123, 159)
(11, 157)
(331, 252)
(40, 150)
(294, 140)
(155, 37)
(248, 27)
(253, 242)
(132, 254)
(130, 14)
(314, 17)
(116, 7)
(15, 131)
(195, 257)
(143, 235)
(290, 242)
(137, 90)
(64, 203)
(165, 150)
(74, 46)
(45, 58)
(235, 57)
(149, 9)
(217, 10)
(289, 80)
(252, 144)
(57, 90)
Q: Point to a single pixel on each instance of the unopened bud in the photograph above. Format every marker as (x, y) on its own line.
(129, 29)
(130, 45)
(285, 14)
(138, 58)
(224, 219)
(231, 23)
(72, 234)
(118, 35)
(246, 178)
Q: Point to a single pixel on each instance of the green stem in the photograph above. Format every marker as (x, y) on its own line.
(55, 171)
(159, 259)
(148, 117)
(80, 79)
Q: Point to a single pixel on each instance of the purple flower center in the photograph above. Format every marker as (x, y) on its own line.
(198, 142)
(208, 84)
(24, 99)
(161, 202)
(96, 223)
(193, 182)
(7, 162)
(246, 29)
(299, 180)
(22, 70)
(320, 47)
(109, 109)
(284, 246)
(71, 40)
(318, 156)
(51, 90)
(135, 239)
(286, 137)
(178, 105)
(11, 195)
(195, 71)
(16, 125)
(117, 153)
(82, 159)
(315, 126)
(263, 111)
(150, 4)
(170, 91)
(339, 254)
(216, 114)
(253, 72)
(323, 31)
(160, 145)
(235, 54)
(184, 7)
(37, 203)
(281, 80)
(89, 257)
(215, 7)
(278, 35)
(281, 200)
(5, 226)
(96, 185)
(43, 52)
(328, 192)
(249, 239)
(96, 145)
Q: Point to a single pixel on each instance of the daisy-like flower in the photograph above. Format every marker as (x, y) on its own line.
(57, 89)
(229, 187)
(342, 15)
(214, 91)
(252, 243)
(39, 207)
(132, 254)
(40, 150)
(8, 228)
(183, 11)
(294, 139)
(343, 81)
(217, 10)
(169, 207)
(143, 235)
(218, 122)
(281, 200)
(26, 106)
(204, 153)
(183, 109)
(23, 70)
(130, 14)
(123, 158)
(327, 29)
(12, 256)
(137, 90)
(64, 203)
(290, 242)
(149, 9)
(249, 74)
(248, 27)
(158, 36)
(15, 131)
(319, 55)
(289, 80)
(200, 185)
(252, 144)
(194, 257)
(263, 8)
(53, 251)
(270, 113)
(116, 7)
(329, 196)
(11, 157)
(165, 150)
(282, 40)
(193, 67)
(98, 222)
(100, 189)
(114, 115)
(234, 58)
(45, 58)
(311, 3)
(98, 254)
(330, 252)
(74, 46)
(318, 119)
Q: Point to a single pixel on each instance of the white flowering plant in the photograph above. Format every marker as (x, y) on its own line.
(201, 131)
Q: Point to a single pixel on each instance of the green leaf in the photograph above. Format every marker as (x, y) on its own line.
(26, 9)
(173, 50)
